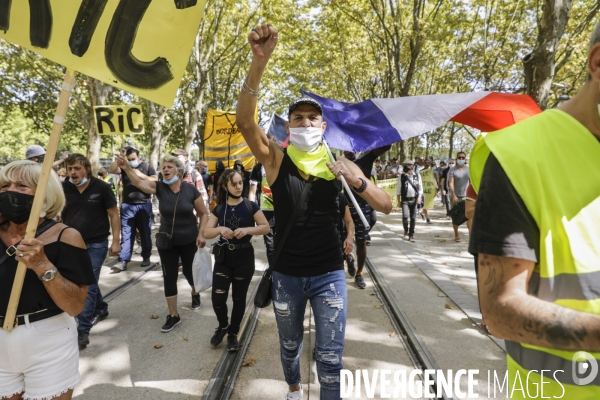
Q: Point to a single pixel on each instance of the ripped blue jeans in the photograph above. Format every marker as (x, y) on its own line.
(328, 299)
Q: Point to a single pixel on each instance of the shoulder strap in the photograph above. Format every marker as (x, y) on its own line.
(288, 228)
(217, 210)
(248, 204)
(43, 227)
(61, 232)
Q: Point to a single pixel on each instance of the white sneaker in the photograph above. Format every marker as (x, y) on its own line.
(294, 395)
(138, 250)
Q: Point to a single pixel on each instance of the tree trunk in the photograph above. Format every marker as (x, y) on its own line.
(157, 120)
(539, 65)
(451, 141)
(99, 93)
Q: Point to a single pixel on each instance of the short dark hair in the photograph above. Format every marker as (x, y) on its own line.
(461, 152)
(132, 150)
(76, 158)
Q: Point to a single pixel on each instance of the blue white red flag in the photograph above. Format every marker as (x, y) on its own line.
(277, 129)
(378, 122)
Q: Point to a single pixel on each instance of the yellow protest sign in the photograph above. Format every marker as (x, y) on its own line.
(389, 186)
(429, 187)
(224, 142)
(119, 120)
(141, 46)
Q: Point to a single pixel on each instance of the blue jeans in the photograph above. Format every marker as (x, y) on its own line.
(135, 216)
(328, 299)
(94, 303)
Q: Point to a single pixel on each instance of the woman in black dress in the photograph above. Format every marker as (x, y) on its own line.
(235, 219)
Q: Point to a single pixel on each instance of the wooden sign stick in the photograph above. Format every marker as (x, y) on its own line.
(40, 194)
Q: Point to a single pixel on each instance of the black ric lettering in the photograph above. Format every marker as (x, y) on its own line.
(5, 14)
(40, 23)
(133, 128)
(183, 4)
(104, 114)
(119, 42)
(85, 25)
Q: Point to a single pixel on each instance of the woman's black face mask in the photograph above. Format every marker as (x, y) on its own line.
(15, 207)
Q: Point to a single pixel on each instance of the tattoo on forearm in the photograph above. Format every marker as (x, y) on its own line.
(560, 333)
(495, 275)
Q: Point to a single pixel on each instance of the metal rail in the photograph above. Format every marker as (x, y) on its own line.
(119, 290)
(224, 375)
(415, 345)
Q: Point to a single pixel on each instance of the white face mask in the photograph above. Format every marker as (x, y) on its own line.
(306, 138)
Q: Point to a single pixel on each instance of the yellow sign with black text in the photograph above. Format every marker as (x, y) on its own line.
(223, 141)
(141, 46)
(119, 120)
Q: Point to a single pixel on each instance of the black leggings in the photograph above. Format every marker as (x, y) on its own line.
(170, 265)
(238, 276)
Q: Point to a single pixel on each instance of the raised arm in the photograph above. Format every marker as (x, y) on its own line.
(145, 185)
(262, 40)
(512, 314)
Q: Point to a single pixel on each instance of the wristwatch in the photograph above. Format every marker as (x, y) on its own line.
(48, 275)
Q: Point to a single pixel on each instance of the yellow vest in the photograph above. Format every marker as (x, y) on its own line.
(554, 164)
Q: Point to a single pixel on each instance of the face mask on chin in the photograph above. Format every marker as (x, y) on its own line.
(15, 207)
(306, 138)
(171, 181)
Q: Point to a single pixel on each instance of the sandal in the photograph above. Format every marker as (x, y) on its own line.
(457, 240)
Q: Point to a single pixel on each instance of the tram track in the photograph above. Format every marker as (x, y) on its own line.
(222, 381)
(415, 346)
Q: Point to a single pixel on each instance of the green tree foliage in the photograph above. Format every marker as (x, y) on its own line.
(349, 50)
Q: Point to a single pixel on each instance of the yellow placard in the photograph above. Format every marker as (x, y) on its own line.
(224, 142)
(119, 120)
(141, 46)
(429, 192)
(389, 186)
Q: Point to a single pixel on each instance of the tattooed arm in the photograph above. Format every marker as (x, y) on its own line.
(512, 314)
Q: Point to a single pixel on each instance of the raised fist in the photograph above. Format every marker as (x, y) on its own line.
(263, 40)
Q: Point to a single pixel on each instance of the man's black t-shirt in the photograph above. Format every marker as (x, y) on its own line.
(502, 224)
(313, 246)
(86, 211)
(131, 194)
(207, 181)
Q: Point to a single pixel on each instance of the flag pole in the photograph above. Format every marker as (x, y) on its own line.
(350, 194)
(40, 194)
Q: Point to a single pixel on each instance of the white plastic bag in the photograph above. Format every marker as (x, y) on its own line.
(202, 269)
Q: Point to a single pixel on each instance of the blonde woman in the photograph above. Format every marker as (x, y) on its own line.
(177, 202)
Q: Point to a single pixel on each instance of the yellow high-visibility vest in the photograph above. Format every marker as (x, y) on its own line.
(553, 161)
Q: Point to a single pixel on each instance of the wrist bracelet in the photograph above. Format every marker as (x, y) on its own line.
(246, 88)
(362, 187)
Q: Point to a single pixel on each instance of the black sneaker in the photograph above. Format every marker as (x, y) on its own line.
(196, 301)
(351, 267)
(146, 262)
(232, 343)
(83, 339)
(99, 317)
(172, 322)
(360, 282)
(218, 336)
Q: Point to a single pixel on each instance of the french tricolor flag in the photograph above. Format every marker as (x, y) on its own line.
(378, 122)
